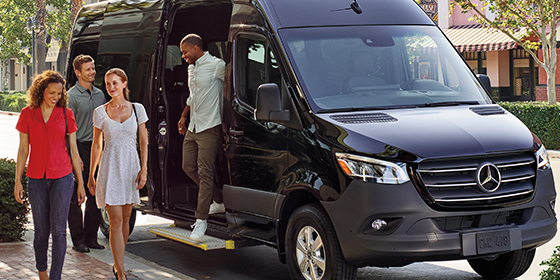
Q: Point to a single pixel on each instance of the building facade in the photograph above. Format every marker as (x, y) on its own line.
(514, 74)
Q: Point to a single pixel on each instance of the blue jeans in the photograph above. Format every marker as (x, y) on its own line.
(50, 200)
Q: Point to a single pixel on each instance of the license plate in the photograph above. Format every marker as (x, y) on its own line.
(492, 242)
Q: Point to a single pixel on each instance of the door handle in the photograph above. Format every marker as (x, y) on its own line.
(235, 132)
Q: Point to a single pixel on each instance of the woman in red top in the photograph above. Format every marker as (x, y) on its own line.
(42, 132)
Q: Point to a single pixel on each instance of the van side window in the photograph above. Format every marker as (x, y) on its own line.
(256, 65)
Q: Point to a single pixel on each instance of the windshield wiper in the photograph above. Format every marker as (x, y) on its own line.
(434, 104)
(355, 109)
(448, 103)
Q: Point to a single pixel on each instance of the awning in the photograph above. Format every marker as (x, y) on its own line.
(475, 38)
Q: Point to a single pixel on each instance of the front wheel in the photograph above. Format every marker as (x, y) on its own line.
(313, 251)
(104, 225)
(504, 266)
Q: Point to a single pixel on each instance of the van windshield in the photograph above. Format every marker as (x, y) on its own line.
(379, 67)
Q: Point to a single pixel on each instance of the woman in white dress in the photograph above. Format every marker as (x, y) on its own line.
(121, 174)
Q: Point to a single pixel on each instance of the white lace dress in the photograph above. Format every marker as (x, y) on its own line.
(119, 164)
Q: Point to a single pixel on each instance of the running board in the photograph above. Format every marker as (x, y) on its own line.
(182, 235)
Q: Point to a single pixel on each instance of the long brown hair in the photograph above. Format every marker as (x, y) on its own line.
(119, 72)
(40, 83)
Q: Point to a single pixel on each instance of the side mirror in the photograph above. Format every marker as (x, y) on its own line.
(269, 106)
(485, 81)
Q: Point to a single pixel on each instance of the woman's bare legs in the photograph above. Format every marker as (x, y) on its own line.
(43, 275)
(119, 217)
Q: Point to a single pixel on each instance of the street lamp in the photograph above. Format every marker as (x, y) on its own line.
(33, 27)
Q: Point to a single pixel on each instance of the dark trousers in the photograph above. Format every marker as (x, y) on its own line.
(199, 162)
(49, 199)
(83, 228)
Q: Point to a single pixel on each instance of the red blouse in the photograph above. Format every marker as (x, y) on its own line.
(48, 157)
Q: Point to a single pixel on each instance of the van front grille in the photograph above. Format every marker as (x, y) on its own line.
(454, 183)
(478, 221)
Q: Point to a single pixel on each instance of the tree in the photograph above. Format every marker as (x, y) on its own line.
(76, 6)
(521, 21)
(13, 36)
(15, 41)
(40, 41)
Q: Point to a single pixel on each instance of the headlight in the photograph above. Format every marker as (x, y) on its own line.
(543, 162)
(372, 170)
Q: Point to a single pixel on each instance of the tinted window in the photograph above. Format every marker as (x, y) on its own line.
(256, 65)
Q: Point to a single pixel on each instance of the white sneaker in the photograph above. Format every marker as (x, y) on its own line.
(216, 208)
(199, 228)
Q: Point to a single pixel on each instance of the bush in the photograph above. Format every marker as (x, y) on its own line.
(12, 101)
(13, 215)
(553, 270)
(541, 118)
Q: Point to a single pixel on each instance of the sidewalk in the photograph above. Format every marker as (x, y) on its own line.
(17, 261)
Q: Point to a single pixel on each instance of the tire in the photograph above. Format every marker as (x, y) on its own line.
(310, 225)
(504, 266)
(104, 225)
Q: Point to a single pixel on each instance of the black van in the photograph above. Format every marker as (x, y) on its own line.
(354, 134)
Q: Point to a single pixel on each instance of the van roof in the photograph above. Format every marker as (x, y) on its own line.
(280, 13)
(306, 13)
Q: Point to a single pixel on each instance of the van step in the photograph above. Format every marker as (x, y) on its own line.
(182, 235)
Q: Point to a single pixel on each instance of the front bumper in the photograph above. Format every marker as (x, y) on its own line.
(412, 234)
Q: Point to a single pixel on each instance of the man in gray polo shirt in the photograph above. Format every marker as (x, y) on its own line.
(83, 98)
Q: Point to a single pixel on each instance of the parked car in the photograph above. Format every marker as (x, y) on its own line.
(354, 134)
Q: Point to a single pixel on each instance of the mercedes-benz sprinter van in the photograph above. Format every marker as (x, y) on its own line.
(354, 134)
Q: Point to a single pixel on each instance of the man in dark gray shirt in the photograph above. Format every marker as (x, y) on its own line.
(83, 98)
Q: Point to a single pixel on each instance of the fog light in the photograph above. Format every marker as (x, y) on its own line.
(378, 224)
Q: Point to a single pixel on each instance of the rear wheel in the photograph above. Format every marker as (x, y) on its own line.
(504, 266)
(313, 251)
(104, 225)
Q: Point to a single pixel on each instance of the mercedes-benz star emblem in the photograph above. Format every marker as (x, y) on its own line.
(488, 178)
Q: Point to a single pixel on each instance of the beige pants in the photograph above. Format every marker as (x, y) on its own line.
(199, 163)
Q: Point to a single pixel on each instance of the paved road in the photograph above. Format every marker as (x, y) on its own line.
(9, 136)
(261, 262)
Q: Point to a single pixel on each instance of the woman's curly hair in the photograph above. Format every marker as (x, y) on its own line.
(40, 83)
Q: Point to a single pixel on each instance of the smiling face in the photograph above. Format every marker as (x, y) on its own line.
(52, 94)
(87, 73)
(190, 53)
(115, 85)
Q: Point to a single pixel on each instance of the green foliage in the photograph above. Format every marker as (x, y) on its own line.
(12, 101)
(541, 118)
(13, 35)
(14, 38)
(552, 272)
(13, 215)
(59, 23)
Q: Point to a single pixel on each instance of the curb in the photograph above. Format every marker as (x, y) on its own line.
(9, 113)
(553, 154)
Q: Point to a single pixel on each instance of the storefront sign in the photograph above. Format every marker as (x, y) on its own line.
(430, 7)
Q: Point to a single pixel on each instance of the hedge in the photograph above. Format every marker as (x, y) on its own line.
(541, 118)
(13, 215)
(12, 101)
(552, 270)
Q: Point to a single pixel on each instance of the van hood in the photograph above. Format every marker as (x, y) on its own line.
(429, 132)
